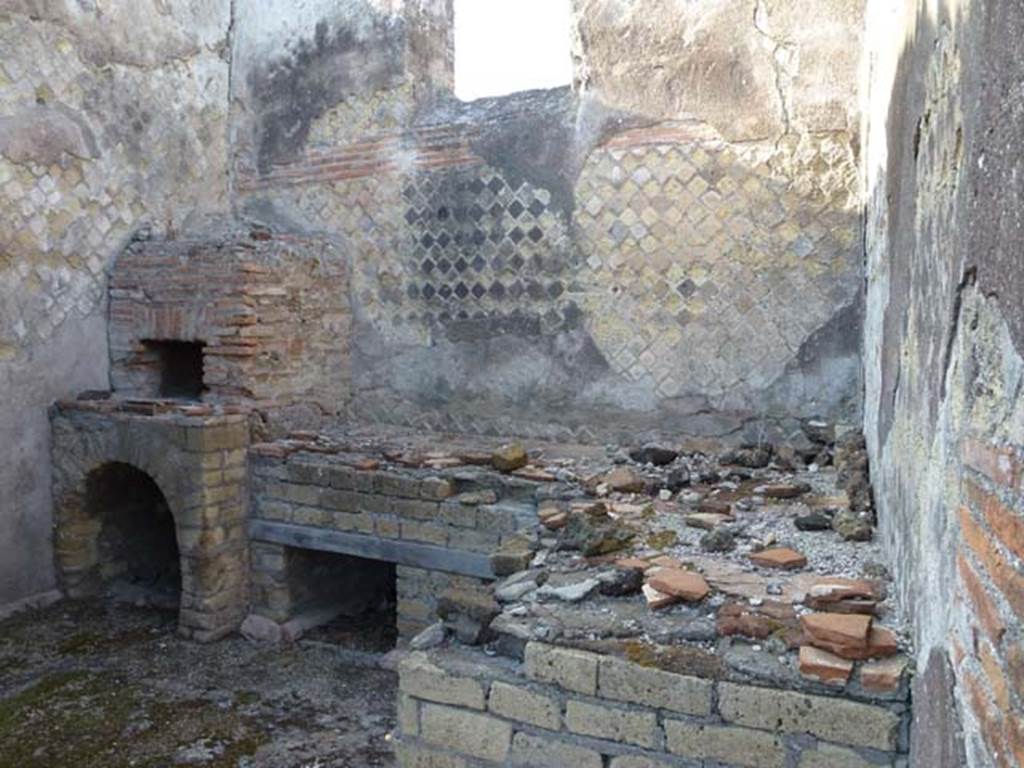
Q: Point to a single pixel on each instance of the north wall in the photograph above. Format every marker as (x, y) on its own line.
(672, 245)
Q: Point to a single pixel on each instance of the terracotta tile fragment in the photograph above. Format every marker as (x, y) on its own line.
(685, 585)
(624, 480)
(779, 557)
(882, 642)
(534, 473)
(836, 588)
(837, 629)
(884, 675)
(760, 622)
(824, 667)
(839, 595)
(783, 490)
(711, 507)
(657, 600)
(445, 462)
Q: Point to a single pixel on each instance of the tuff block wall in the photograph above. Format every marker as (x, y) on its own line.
(113, 118)
(564, 706)
(943, 358)
(573, 262)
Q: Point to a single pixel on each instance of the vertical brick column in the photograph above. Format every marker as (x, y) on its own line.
(989, 648)
(273, 593)
(212, 534)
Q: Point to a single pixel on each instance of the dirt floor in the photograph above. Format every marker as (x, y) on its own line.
(91, 684)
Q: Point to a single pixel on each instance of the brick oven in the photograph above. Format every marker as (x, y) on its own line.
(150, 479)
(258, 319)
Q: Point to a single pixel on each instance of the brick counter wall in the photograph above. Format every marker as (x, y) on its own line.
(441, 530)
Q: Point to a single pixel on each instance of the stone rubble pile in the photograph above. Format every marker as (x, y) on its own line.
(751, 559)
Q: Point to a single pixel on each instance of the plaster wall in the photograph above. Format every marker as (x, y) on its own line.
(673, 245)
(943, 340)
(113, 119)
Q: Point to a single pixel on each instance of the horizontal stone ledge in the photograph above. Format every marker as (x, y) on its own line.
(426, 556)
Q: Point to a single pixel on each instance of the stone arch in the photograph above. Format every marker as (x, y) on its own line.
(198, 465)
(128, 536)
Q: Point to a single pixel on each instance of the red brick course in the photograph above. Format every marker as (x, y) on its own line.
(1004, 575)
(1002, 465)
(984, 609)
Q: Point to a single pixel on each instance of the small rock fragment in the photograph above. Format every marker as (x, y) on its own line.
(752, 457)
(662, 539)
(622, 581)
(624, 480)
(820, 431)
(475, 458)
(509, 457)
(556, 522)
(815, 521)
(654, 454)
(549, 509)
(468, 613)
(875, 570)
(852, 527)
(718, 540)
(537, 474)
(473, 498)
(514, 555)
(783, 490)
(569, 593)
(515, 587)
(594, 534)
(706, 520)
(678, 478)
(711, 507)
(779, 557)
(261, 629)
(632, 564)
(431, 637)
(824, 667)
